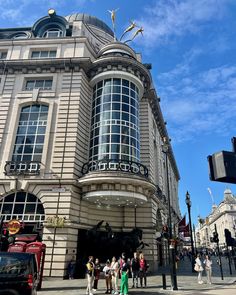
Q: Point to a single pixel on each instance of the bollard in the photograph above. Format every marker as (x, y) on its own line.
(164, 281)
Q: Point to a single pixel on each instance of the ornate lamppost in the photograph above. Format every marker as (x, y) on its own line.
(188, 203)
(172, 255)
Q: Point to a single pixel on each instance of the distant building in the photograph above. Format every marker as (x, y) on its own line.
(81, 135)
(223, 216)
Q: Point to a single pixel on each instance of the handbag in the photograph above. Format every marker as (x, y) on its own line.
(196, 267)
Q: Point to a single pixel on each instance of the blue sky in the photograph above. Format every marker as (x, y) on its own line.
(191, 45)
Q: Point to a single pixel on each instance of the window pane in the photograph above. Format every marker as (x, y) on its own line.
(29, 139)
(26, 158)
(44, 108)
(25, 109)
(33, 117)
(24, 116)
(44, 54)
(18, 209)
(40, 139)
(35, 54)
(48, 84)
(40, 209)
(6, 209)
(52, 53)
(30, 208)
(28, 149)
(9, 198)
(20, 139)
(38, 149)
(20, 196)
(3, 55)
(39, 83)
(29, 85)
(31, 130)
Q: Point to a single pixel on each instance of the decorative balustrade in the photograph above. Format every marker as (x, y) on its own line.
(115, 165)
(22, 167)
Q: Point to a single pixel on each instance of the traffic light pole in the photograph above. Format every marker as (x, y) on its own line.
(1, 226)
(172, 255)
(219, 255)
(229, 259)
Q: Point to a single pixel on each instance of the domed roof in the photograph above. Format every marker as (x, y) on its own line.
(90, 20)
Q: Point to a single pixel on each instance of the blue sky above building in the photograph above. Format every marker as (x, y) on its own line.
(191, 45)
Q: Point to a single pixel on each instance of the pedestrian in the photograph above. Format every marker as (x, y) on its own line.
(124, 271)
(115, 275)
(90, 275)
(107, 273)
(71, 268)
(198, 268)
(208, 268)
(143, 266)
(121, 261)
(97, 270)
(135, 270)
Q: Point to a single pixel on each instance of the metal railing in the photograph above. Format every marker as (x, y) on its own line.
(22, 167)
(115, 165)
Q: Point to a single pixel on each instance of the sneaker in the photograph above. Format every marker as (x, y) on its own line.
(90, 293)
(94, 290)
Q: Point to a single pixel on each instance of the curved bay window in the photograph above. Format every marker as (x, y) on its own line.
(28, 147)
(115, 121)
(22, 206)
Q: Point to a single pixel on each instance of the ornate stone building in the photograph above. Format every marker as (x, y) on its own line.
(81, 134)
(223, 216)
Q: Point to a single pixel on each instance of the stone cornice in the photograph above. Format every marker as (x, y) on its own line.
(38, 65)
(121, 63)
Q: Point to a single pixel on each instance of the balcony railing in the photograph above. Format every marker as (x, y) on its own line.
(115, 165)
(22, 167)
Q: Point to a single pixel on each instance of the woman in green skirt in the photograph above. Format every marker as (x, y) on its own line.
(124, 269)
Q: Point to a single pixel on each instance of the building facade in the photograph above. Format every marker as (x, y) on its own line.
(81, 135)
(224, 217)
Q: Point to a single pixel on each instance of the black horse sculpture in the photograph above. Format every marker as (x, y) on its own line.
(105, 244)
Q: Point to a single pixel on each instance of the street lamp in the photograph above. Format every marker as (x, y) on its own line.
(172, 256)
(188, 203)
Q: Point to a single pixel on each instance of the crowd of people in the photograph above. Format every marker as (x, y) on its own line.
(116, 274)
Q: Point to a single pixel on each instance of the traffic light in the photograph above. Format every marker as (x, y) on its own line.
(215, 237)
(165, 232)
(228, 238)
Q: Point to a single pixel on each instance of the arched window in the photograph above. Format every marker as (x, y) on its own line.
(28, 147)
(53, 33)
(21, 36)
(22, 206)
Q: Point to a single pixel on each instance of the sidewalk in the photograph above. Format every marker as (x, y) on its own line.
(186, 285)
(186, 280)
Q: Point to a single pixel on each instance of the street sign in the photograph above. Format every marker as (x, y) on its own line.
(58, 189)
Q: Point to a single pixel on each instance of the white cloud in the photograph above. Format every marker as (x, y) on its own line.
(26, 12)
(170, 18)
(198, 104)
